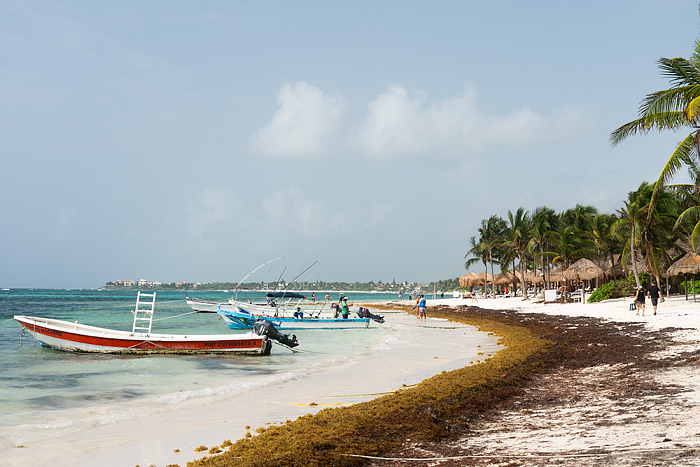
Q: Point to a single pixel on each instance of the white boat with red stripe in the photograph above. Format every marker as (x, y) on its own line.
(76, 337)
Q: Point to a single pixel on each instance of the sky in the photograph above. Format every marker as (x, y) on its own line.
(193, 141)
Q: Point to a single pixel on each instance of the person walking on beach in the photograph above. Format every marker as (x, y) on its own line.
(415, 307)
(655, 294)
(639, 300)
(313, 297)
(421, 307)
(328, 298)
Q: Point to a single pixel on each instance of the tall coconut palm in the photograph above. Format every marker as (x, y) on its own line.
(544, 224)
(491, 235)
(518, 233)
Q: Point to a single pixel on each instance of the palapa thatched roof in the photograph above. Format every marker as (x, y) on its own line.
(485, 276)
(533, 276)
(469, 279)
(689, 264)
(555, 275)
(583, 269)
(505, 278)
(614, 271)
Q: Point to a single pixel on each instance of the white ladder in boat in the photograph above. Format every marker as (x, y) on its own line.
(143, 315)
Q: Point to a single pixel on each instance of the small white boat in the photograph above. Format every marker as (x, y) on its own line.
(64, 335)
(202, 306)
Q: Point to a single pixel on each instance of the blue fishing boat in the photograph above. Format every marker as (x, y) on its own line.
(241, 318)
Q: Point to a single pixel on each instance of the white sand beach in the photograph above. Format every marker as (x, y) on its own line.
(635, 415)
(422, 349)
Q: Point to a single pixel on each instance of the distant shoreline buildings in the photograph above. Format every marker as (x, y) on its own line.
(371, 286)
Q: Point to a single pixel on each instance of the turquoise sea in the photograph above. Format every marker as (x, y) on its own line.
(44, 392)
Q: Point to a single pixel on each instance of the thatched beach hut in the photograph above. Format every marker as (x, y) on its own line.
(689, 264)
(583, 270)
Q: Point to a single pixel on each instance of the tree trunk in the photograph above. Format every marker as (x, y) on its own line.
(522, 278)
(633, 255)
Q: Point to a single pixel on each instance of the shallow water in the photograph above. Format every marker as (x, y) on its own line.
(46, 393)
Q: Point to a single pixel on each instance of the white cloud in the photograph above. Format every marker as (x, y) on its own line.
(399, 123)
(305, 124)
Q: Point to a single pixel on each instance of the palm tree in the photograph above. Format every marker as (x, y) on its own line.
(544, 224)
(671, 109)
(479, 251)
(517, 235)
(630, 221)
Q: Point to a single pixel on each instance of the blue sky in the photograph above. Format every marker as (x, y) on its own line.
(192, 141)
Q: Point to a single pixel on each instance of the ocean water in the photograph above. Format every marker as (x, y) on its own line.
(47, 393)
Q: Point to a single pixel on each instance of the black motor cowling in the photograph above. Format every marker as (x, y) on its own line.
(365, 313)
(263, 327)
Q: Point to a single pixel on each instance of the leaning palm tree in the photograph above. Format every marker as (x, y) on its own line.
(671, 109)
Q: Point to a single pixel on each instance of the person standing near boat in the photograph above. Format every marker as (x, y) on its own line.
(344, 310)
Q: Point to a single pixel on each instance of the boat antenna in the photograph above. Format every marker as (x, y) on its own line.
(253, 271)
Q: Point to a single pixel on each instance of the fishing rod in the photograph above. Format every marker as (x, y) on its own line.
(299, 275)
(253, 272)
(279, 278)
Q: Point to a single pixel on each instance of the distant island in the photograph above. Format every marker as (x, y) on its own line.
(371, 286)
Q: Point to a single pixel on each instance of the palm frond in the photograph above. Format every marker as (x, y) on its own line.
(668, 100)
(679, 71)
(659, 121)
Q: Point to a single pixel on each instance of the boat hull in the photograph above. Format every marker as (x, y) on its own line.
(243, 319)
(316, 310)
(201, 306)
(63, 335)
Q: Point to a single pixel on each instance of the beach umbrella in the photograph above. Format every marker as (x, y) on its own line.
(505, 278)
(689, 264)
(534, 276)
(583, 269)
(485, 278)
(469, 280)
(556, 275)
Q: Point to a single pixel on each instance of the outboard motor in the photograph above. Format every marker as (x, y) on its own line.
(365, 313)
(263, 327)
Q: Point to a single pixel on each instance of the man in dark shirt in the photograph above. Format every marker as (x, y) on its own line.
(655, 294)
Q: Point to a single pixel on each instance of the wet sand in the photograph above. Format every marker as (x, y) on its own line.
(422, 349)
